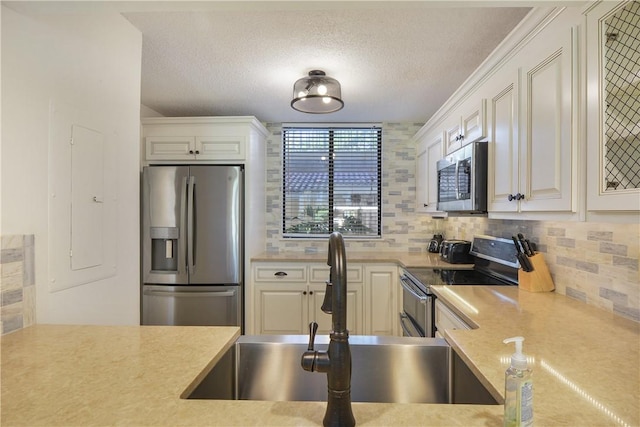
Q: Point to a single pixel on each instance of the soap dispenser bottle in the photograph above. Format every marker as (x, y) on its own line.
(518, 399)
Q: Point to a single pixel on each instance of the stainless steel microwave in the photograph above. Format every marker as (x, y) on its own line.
(462, 179)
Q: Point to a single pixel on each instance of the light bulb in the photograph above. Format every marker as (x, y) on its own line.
(302, 94)
(326, 99)
(322, 90)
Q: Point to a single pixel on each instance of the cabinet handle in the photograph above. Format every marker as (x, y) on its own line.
(461, 137)
(425, 205)
(519, 196)
(310, 292)
(304, 292)
(197, 151)
(190, 151)
(280, 274)
(510, 197)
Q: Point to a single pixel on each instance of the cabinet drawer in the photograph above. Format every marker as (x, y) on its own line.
(280, 274)
(447, 319)
(320, 274)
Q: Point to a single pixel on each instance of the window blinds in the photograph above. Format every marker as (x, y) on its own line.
(332, 181)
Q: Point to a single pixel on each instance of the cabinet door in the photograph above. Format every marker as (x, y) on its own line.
(170, 147)
(220, 147)
(381, 283)
(473, 127)
(428, 152)
(281, 308)
(503, 166)
(452, 131)
(422, 177)
(613, 108)
(354, 309)
(547, 144)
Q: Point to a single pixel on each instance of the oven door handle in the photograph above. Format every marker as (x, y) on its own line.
(410, 330)
(407, 286)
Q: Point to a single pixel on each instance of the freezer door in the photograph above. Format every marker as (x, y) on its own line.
(215, 224)
(163, 222)
(191, 305)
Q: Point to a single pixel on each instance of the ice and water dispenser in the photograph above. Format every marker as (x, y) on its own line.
(164, 249)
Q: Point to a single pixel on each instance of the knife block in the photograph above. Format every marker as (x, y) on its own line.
(538, 280)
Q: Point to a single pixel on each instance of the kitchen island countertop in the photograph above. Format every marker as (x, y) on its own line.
(585, 361)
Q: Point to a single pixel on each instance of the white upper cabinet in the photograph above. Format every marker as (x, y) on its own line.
(531, 117)
(466, 127)
(547, 141)
(199, 138)
(613, 107)
(504, 156)
(428, 152)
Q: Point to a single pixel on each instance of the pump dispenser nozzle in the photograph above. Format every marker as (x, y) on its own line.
(518, 359)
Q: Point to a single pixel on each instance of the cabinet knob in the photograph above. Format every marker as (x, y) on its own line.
(304, 292)
(511, 197)
(190, 151)
(280, 274)
(197, 151)
(519, 196)
(310, 292)
(425, 205)
(461, 137)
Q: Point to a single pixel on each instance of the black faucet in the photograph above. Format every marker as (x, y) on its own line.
(336, 361)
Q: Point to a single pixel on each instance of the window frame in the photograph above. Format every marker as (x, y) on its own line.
(331, 128)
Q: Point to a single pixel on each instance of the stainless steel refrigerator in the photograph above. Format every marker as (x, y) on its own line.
(192, 245)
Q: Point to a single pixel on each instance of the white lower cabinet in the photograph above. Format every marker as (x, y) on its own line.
(445, 318)
(381, 290)
(288, 296)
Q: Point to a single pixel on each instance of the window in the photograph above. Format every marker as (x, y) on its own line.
(332, 181)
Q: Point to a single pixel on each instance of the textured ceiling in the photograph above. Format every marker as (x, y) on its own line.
(396, 62)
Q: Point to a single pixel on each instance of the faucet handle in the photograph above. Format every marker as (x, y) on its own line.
(313, 329)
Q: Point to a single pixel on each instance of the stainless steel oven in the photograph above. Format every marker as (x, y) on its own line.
(495, 263)
(416, 317)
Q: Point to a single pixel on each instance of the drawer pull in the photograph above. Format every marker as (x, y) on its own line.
(280, 274)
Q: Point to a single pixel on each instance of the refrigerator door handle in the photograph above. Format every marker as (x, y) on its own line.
(182, 246)
(190, 223)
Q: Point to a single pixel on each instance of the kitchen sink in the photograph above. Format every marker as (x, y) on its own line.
(384, 369)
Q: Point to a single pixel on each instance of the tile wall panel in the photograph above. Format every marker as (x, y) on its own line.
(17, 282)
(597, 263)
(402, 229)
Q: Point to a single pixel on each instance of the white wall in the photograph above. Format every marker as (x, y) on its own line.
(91, 63)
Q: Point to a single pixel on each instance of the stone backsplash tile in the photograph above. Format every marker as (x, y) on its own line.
(597, 263)
(402, 229)
(17, 282)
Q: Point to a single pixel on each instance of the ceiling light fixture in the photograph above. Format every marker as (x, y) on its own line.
(317, 94)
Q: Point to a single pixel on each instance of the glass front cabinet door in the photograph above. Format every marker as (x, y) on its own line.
(613, 107)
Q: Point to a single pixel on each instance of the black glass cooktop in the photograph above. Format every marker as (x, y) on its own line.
(430, 276)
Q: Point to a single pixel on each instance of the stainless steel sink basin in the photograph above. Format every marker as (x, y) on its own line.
(384, 369)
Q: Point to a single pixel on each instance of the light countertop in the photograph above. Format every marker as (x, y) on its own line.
(404, 259)
(58, 375)
(586, 361)
(586, 370)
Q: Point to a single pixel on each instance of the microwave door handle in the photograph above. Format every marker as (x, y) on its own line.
(458, 163)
